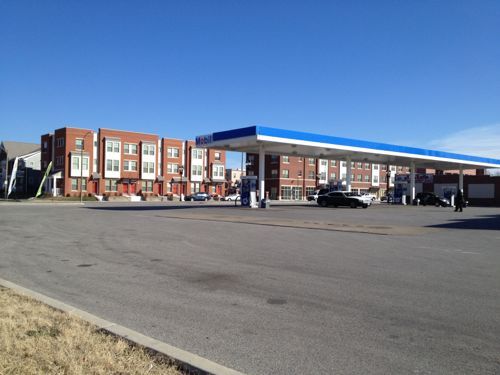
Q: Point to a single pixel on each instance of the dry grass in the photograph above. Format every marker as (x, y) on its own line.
(36, 339)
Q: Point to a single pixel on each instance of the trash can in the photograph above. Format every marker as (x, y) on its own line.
(265, 203)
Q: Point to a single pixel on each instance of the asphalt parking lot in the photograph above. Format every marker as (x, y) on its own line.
(287, 290)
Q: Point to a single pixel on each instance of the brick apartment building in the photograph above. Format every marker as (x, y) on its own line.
(116, 162)
(292, 177)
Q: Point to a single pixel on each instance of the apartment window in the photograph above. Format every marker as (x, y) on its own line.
(84, 184)
(217, 155)
(218, 171)
(172, 168)
(311, 175)
(196, 170)
(79, 144)
(45, 146)
(352, 164)
(286, 192)
(393, 168)
(286, 159)
(299, 174)
(148, 167)
(59, 160)
(274, 159)
(147, 186)
(375, 167)
(110, 185)
(197, 154)
(352, 177)
(322, 176)
(274, 173)
(400, 169)
(360, 165)
(344, 164)
(130, 165)
(74, 184)
(333, 176)
(384, 167)
(285, 173)
(375, 179)
(250, 173)
(112, 165)
(333, 163)
(367, 178)
(311, 161)
(251, 158)
(148, 149)
(130, 148)
(112, 146)
(367, 166)
(60, 142)
(172, 152)
(324, 163)
(301, 159)
(75, 162)
(85, 163)
(344, 176)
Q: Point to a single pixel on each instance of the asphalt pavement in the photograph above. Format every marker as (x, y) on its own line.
(287, 290)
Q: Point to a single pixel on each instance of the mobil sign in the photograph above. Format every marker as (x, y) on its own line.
(204, 140)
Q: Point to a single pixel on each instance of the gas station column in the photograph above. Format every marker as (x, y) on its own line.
(412, 181)
(461, 179)
(262, 173)
(348, 174)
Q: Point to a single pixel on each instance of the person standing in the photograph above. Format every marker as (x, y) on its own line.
(459, 201)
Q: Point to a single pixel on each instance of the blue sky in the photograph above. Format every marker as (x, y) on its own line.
(419, 73)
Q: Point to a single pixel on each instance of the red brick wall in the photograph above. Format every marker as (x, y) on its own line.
(133, 138)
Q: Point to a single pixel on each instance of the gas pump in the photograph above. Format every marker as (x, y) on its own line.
(249, 191)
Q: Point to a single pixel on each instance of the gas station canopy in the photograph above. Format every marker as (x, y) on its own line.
(255, 139)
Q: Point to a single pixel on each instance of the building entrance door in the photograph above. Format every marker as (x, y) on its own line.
(131, 189)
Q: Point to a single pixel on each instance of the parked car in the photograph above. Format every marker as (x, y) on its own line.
(369, 195)
(231, 197)
(314, 196)
(389, 198)
(199, 196)
(343, 198)
(428, 198)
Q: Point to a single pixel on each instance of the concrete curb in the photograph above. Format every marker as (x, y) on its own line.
(193, 363)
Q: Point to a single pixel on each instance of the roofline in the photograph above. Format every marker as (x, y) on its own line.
(71, 127)
(128, 131)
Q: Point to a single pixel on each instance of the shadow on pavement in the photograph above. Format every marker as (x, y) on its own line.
(487, 222)
(156, 207)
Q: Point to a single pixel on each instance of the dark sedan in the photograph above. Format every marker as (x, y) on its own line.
(343, 198)
(431, 199)
(200, 196)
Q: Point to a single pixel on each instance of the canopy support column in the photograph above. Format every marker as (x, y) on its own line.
(262, 172)
(412, 181)
(461, 179)
(348, 174)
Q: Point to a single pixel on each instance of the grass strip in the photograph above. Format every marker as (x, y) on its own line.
(37, 339)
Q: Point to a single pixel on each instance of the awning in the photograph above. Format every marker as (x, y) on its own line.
(255, 139)
(206, 180)
(218, 180)
(160, 178)
(96, 176)
(178, 179)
